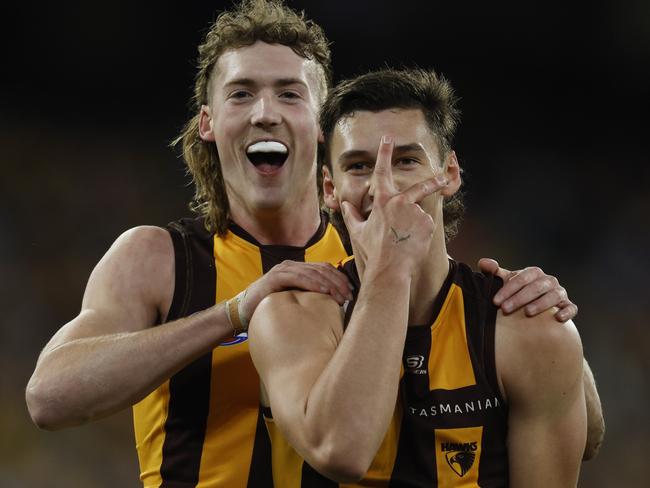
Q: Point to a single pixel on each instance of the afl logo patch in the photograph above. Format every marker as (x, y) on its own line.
(236, 340)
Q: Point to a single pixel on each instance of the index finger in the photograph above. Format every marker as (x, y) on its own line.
(383, 171)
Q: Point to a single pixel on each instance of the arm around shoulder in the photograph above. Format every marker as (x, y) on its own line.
(540, 367)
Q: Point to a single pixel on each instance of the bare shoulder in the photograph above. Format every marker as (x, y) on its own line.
(135, 275)
(537, 356)
(145, 243)
(130, 289)
(540, 335)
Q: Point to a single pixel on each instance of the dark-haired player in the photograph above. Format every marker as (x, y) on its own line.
(421, 380)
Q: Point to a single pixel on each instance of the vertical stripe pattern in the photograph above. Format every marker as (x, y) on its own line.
(449, 426)
(203, 428)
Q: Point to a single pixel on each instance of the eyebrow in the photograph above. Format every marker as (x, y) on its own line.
(359, 153)
(280, 82)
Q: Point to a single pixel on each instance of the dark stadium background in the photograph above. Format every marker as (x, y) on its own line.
(553, 142)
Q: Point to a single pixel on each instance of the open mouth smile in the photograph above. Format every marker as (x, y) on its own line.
(267, 156)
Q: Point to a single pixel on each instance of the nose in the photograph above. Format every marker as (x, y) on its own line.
(371, 187)
(372, 182)
(265, 112)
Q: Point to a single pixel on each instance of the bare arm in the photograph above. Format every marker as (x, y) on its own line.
(539, 364)
(110, 356)
(538, 292)
(319, 379)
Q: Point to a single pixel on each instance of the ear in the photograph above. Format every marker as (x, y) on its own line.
(452, 172)
(205, 124)
(329, 190)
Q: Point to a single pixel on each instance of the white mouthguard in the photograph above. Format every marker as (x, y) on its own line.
(267, 146)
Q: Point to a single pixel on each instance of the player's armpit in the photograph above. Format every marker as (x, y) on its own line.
(539, 364)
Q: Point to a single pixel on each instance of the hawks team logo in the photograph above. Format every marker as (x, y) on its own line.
(460, 457)
(460, 462)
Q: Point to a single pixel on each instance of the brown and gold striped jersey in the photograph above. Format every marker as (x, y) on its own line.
(449, 426)
(203, 427)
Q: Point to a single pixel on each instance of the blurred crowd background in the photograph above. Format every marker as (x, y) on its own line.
(554, 143)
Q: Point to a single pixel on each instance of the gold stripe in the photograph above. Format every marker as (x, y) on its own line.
(149, 417)
(382, 465)
(234, 388)
(450, 366)
(287, 464)
(458, 455)
(329, 249)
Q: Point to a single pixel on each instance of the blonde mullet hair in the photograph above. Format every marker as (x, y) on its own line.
(250, 21)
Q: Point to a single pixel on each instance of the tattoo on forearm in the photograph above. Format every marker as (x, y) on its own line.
(399, 238)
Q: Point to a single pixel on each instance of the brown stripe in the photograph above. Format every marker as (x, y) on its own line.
(261, 474)
(313, 479)
(415, 463)
(495, 431)
(189, 389)
(182, 271)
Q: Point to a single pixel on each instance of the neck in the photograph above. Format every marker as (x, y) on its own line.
(283, 226)
(427, 283)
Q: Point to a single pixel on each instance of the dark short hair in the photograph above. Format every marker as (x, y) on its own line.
(405, 89)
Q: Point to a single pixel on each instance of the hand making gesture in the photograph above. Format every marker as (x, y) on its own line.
(397, 231)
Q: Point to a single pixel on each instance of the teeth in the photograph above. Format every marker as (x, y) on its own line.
(267, 146)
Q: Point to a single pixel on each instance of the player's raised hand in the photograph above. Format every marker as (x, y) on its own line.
(397, 231)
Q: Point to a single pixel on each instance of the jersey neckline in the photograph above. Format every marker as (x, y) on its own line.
(318, 235)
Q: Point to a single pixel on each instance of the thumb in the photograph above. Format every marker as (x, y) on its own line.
(488, 265)
(491, 266)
